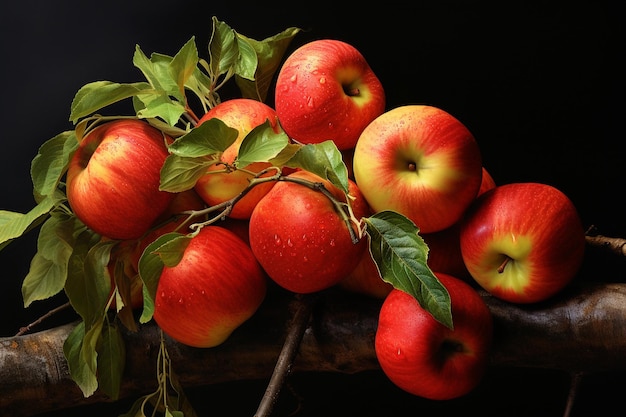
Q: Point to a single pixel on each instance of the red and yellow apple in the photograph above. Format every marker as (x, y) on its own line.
(523, 242)
(425, 358)
(300, 239)
(487, 182)
(326, 90)
(113, 178)
(216, 287)
(420, 161)
(219, 184)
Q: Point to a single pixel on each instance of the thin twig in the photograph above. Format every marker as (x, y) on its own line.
(573, 392)
(288, 353)
(26, 329)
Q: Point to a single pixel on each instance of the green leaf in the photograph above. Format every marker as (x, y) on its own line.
(261, 145)
(158, 72)
(14, 225)
(49, 266)
(88, 283)
(155, 105)
(269, 55)
(51, 162)
(184, 64)
(323, 159)
(247, 62)
(211, 137)
(98, 94)
(401, 255)
(223, 50)
(81, 355)
(181, 173)
(111, 361)
(150, 267)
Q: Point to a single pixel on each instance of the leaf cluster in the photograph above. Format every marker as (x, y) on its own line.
(176, 91)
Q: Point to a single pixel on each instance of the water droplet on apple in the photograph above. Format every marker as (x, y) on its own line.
(181, 300)
(330, 125)
(305, 259)
(294, 78)
(277, 240)
(309, 102)
(289, 243)
(322, 80)
(332, 242)
(304, 237)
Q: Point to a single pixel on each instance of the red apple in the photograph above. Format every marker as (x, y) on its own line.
(523, 242)
(217, 187)
(300, 239)
(113, 178)
(425, 358)
(365, 279)
(420, 161)
(182, 201)
(326, 90)
(216, 287)
(444, 252)
(487, 182)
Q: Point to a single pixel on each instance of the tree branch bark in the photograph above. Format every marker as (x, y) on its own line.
(583, 330)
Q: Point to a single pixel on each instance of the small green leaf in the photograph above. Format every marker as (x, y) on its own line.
(247, 61)
(88, 283)
(323, 159)
(50, 163)
(269, 56)
(96, 95)
(111, 361)
(261, 145)
(150, 267)
(223, 50)
(158, 72)
(48, 268)
(80, 352)
(208, 138)
(159, 105)
(171, 252)
(14, 225)
(181, 173)
(184, 64)
(401, 255)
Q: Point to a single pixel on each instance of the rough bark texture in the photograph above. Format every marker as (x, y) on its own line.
(582, 330)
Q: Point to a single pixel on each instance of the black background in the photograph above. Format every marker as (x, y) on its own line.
(541, 87)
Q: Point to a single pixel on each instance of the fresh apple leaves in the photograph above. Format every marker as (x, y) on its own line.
(323, 159)
(401, 255)
(163, 96)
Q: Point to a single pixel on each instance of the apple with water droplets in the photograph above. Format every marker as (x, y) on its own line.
(216, 287)
(326, 90)
(300, 239)
(424, 357)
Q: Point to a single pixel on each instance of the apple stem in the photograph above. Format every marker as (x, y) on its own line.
(503, 264)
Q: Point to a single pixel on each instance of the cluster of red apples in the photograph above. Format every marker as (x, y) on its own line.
(522, 242)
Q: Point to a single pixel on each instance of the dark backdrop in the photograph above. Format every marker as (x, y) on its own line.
(541, 86)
